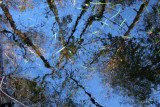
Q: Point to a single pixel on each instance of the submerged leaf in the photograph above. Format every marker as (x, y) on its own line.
(55, 35)
(104, 23)
(87, 67)
(71, 53)
(147, 10)
(126, 37)
(122, 22)
(26, 61)
(99, 3)
(150, 31)
(116, 14)
(87, 4)
(95, 32)
(81, 8)
(158, 11)
(60, 50)
(74, 3)
(158, 52)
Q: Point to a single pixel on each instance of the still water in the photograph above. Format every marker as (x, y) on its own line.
(80, 53)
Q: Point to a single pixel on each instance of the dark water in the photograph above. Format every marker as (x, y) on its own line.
(80, 53)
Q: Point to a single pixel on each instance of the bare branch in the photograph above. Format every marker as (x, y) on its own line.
(137, 18)
(23, 36)
(13, 98)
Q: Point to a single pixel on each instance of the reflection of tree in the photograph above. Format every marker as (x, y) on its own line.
(89, 94)
(78, 19)
(53, 8)
(97, 16)
(137, 18)
(29, 92)
(69, 52)
(73, 46)
(25, 90)
(133, 65)
(23, 36)
(1, 57)
(152, 24)
(130, 65)
(20, 5)
(130, 73)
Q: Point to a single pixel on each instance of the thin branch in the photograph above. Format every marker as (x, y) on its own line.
(123, 19)
(5, 31)
(137, 17)
(135, 21)
(89, 94)
(13, 98)
(2, 81)
(93, 18)
(23, 36)
(53, 8)
(114, 23)
(78, 18)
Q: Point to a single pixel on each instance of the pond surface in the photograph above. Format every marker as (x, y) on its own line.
(80, 53)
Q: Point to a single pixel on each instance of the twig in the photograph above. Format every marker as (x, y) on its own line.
(114, 23)
(2, 81)
(89, 94)
(13, 98)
